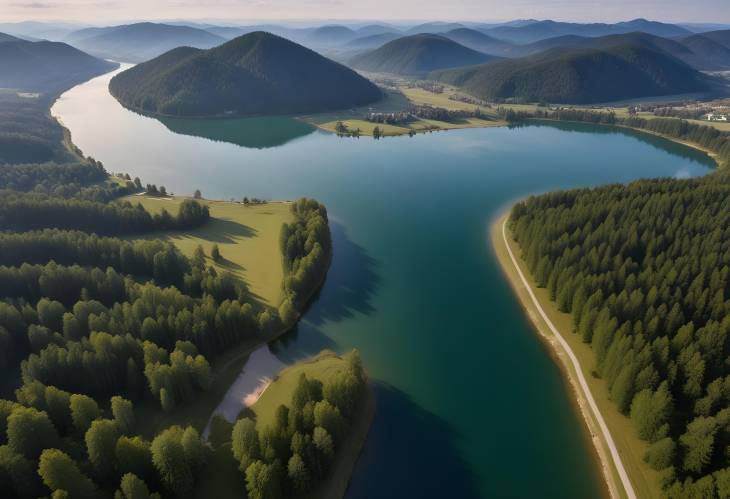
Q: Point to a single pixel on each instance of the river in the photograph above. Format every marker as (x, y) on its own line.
(469, 401)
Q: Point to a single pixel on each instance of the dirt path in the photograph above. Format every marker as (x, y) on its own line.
(618, 463)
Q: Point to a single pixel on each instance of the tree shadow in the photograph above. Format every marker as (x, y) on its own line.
(409, 452)
(351, 282)
(223, 231)
(229, 265)
(303, 341)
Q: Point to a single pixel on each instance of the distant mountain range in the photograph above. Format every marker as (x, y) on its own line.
(141, 41)
(580, 76)
(372, 41)
(706, 51)
(418, 55)
(480, 41)
(541, 30)
(257, 73)
(45, 66)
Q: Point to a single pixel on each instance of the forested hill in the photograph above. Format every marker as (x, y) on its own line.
(580, 76)
(417, 55)
(644, 271)
(479, 41)
(258, 73)
(699, 51)
(46, 66)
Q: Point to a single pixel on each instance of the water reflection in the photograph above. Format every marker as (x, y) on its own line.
(253, 133)
(658, 143)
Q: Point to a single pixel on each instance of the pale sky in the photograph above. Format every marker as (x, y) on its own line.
(107, 11)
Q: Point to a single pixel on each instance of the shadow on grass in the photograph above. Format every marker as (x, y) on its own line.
(223, 231)
(409, 453)
(351, 283)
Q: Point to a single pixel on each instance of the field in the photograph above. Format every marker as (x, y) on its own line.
(280, 391)
(406, 95)
(644, 480)
(248, 238)
(401, 99)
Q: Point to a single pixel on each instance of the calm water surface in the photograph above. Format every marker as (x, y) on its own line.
(470, 403)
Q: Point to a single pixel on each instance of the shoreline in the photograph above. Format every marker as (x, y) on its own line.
(607, 455)
(691, 145)
(340, 476)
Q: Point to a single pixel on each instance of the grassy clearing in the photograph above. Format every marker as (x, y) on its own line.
(322, 367)
(248, 238)
(419, 126)
(644, 479)
(400, 100)
(406, 95)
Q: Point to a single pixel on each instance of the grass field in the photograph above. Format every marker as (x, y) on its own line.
(322, 367)
(407, 95)
(248, 238)
(631, 449)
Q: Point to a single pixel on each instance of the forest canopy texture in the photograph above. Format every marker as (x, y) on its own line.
(644, 271)
(258, 73)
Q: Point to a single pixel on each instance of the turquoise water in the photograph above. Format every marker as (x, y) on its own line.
(470, 403)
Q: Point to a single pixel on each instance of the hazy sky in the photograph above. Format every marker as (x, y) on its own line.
(100, 11)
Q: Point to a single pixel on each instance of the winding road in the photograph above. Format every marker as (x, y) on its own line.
(625, 481)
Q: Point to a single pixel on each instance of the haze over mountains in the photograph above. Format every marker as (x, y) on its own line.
(258, 73)
(575, 61)
(140, 42)
(45, 66)
(418, 55)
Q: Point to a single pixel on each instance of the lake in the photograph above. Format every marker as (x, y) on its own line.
(469, 401)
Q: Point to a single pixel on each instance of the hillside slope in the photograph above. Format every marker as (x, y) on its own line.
(258, 73)
(418, 54)
(372, 41)
(479, 41)
(46, 66)
(579, 76)
(8, 38)
(142, 41)
(698, 51)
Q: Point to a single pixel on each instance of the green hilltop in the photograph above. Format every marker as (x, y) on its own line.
(257, 73)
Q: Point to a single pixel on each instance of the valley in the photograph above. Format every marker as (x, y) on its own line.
(237, 258)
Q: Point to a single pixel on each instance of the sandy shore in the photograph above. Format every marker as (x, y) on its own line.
(618, 485)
